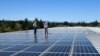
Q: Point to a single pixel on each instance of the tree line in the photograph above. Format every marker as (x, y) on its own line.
(8, 25)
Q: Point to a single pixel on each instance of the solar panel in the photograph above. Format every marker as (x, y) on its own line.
(86, 54)
(4, 46)
(70, 43)
(6, 53)
(60, 49)
(55, 54)
(37, 48)
(27, 54)
(16, 48)
(83, 46)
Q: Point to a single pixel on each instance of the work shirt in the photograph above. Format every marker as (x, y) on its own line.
(34, 24)
(46, 25)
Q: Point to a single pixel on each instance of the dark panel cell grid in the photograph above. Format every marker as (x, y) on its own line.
(60, 49)
(16, 48)
(83, 45)
(4, 46)
(6, 53)
(55, 54)
(39, 48)
(86, 54)
(27, 54)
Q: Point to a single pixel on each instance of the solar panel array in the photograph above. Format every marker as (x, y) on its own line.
(72, 43)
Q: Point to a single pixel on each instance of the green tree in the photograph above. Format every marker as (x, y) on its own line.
(18, 26)
(95, 23)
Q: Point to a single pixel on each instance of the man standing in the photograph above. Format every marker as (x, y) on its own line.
(35, 27)
(46, 27)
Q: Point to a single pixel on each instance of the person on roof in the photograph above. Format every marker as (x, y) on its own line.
(35, 27)
(46, 27)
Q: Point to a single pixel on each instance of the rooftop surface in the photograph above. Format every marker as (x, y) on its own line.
(60, 41)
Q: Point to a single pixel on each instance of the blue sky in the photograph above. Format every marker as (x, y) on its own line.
(51, 10)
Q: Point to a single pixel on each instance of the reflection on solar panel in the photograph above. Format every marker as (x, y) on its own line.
(72, 42)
